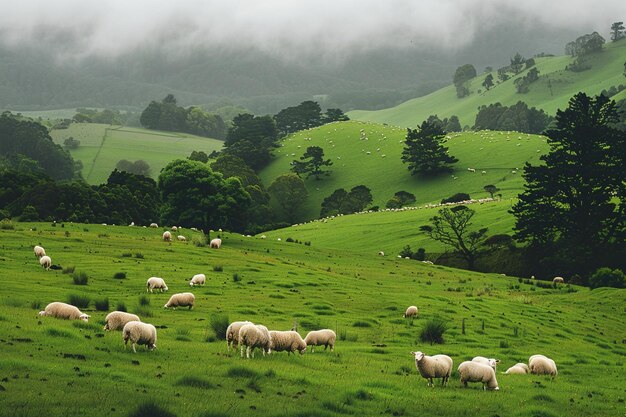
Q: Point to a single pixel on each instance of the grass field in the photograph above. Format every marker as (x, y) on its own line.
(58, 368)
(102, 146)
(551, 92)
(375, 162)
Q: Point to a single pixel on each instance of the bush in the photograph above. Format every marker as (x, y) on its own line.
(29, 214)
(120, 275)
(80, 301)
(80, 278)
(144, 300)
(218, 268)
(433, 331)
(69, 269)
(219, 324)
(151, 410)
(236, 277)
(139, 255)
(6, 224)
(456, 198)
(102, 305)
(605, 277)
(121, 306)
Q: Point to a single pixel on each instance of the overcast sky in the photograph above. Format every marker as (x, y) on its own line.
(282, 27)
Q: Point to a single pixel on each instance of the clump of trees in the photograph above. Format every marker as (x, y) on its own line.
(138, 167)
(401, 199)
(462, 75)
(344, 202)
(252, 138)
(451, 124)
(306, 115)
(105, 116)
(424, 150)
(518, 117)
(522, 84)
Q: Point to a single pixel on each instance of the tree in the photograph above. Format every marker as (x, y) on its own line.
(502, 75)
(605, 277)
(290, 193)
(462, 75)
(574, 204)
(139, 167)
(424, 151)
(453, 124)
(343, 202)
(331, 205)
(617, 31)
(491, 189)
(311, 163)
(401, 199)
(71, 143)
(292, 119)
(199, 156)
(452, 228)
(151, 115)
(334, 115)
(252, 138)
(488, 81)
(517, 63)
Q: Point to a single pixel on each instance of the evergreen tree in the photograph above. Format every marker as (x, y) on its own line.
(424, 151)
(488, 81)
(290, 193)
(311, 163)
(617, 31)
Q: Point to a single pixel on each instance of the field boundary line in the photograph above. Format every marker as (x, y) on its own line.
(95, 158)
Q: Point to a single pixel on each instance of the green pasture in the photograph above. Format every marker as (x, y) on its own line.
(60, 368)
(374, 160)
(551, 92)
(102, 146)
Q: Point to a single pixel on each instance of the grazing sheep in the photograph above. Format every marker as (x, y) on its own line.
(518, 368)
(487, 361)
(436, 366)
(64, 311)
(198, 279)
(116, 320)
(182, 299)
(167, 236)
(39, 251)
(156, 283)
(289, 341)
(45, 262)
(381, 253)
(558, 280)
(411, 312)
(324, 337)
(478, 372)
(139, 334)
(174, 228)
(254, 336)
(154, 225)
(232, 333)
(542, 365)
(215, 243)
(181, 238)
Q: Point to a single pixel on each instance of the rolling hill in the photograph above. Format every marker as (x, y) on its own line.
(57, 368)
(551, 92)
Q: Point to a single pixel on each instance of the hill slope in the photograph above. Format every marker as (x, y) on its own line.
(59, 368)
(551, 92)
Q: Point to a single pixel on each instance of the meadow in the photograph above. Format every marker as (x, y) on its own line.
(551, 92)
(102, 146)
(58, 368)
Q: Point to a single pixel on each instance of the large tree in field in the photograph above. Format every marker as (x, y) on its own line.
(574, 204)
(252, 138)
(424, 150)
(303, 116)
(312, 163)
(617, 31)
(290, 193)
(462, 75)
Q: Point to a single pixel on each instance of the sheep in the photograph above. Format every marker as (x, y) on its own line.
(436, 366)
(411, 312)
(478, 372)
(558, 280)
(174, 228)
(487, 361)
(381, 253)
(167, 236)
(156, 283)
(542, 365)
(116, 320)
(198, 279)
(45, 262)
(324, 337)
(154, 225)
(215, 243)
(182, 299)
(232, 334)
(471, 169)
(64, 311)
(139, 334)
(252, 336)
(518, 368)
(289, 341)
(181, 238)
(39, 251)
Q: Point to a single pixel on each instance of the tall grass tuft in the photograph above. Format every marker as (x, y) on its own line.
(103, 304)
(69, 269)
(144, 300)
(150, 409)
(6, 224)
(194, 382)
(433, 331)
(80, 301)
(218, 268)
(121, 306)
(119, 275)
(219, 324)
(80, 278)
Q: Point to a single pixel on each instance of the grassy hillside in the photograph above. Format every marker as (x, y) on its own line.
(102, 146)
(551, 92)
(57, 368)
(375, 162)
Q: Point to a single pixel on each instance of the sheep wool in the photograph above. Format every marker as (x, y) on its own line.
(182, 299)
(167, 236)
(542, 365)
(181, 238)
(215, 243)
(39, 251)
(232, 334)
(558, 280)
(64, 311)
(478, 372)
(291, 341)
(139, 334)
(156, 283)
(436, 366)
(254, 336)
(45, 262)
(411, 311)
(324, 337)
(198, 279)
(116, 320)
(487, 361)
(518, 368)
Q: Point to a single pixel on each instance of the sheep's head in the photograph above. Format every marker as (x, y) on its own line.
(165, 288)
(191, 284)
(84, 317)
(42, 313)
(152, 346)
(106, 327)
(418, 355)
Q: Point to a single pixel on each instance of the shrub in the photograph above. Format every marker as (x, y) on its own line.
(605, 277)
(35, 305)
(80, 278)
(139, 255)
(289, 240)
(6, 224)
(236, 277)
(433, 331)
(195, 382)
(218, 268)
(80, 301)
(102, 305)
(121, 306)
(29, 214)
(151, 410)
(69, 269)
(127, 255)
(120, 275)
(219, 324)
(144, 300)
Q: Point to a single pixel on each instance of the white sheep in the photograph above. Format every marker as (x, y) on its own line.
(471, 169)
(156, 283)
(436, 366)
(39, 251)
(154, 225)
(139, 334)
(324, 337)
(64, 311)
(518, 368)
(542, 365)
(558, 280)
(291, 341)
(174, 228)
(478, 372)
(181, 238)
(116, 320)
(181, 299)
(487, 361)
(215, 243)
(198, 279)
(254, 336)
(45, 262)
(167, 236)
(381, 253)
(232, 333)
